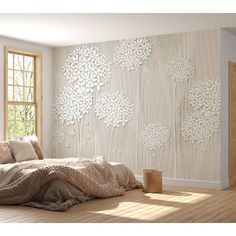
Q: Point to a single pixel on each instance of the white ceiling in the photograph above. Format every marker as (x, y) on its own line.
(70, 29)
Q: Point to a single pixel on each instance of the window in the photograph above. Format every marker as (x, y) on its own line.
(22, 93)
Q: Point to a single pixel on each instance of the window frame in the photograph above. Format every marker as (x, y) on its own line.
(37, 90)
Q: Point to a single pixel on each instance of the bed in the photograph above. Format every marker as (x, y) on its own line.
(58, 184)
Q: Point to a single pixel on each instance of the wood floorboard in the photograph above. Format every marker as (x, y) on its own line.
(175, 204)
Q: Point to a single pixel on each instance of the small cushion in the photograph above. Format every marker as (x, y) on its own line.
(23, 151)
(35, 143)
(5, 153)
(15, 137)
(37, 149)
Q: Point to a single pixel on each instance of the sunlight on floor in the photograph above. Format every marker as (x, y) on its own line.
(155, 205)
(181, 197)
(174, 204)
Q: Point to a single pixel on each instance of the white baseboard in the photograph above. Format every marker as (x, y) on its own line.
(191, 183)
(224, 184)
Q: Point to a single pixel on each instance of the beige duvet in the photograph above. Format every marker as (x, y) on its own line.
(57, 184)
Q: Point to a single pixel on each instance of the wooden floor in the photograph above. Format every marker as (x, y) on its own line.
(175, 204)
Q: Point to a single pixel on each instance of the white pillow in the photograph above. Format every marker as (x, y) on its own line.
(15, 137)
(23, 151)
(28, 138)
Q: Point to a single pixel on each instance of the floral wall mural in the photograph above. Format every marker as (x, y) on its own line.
(179, 68)
(114, 108)
(151, 102)
(88, 67)
(132, 53)
(205, 99)
(154, 135)
(85, 68)
(205, 95)
(72, 103)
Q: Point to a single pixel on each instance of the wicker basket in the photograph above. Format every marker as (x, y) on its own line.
(152, 181)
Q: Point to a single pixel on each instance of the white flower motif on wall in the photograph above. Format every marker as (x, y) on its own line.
(72, 103)
(179, 68)
(200, 126)
(114, 107)
(71, 133)
(88, 67)
(132, 53)
(154, 135)
(58, 138)
(205, 95)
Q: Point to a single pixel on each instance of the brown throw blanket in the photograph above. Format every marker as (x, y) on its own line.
(57, 187)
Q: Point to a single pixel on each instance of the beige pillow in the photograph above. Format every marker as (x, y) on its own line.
(5, 153)
(37, 149)
(34, 141)
(23, 151)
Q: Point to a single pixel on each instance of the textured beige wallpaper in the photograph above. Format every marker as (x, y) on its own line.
(159, 90)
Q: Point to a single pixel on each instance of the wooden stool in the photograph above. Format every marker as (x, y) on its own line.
(152, 181)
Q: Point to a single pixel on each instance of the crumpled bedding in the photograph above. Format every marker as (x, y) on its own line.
(58, 184)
